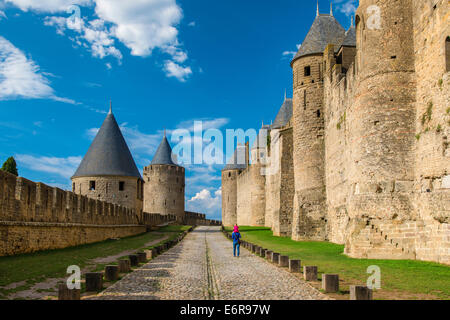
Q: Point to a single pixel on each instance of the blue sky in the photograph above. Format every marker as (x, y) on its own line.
(164, 64)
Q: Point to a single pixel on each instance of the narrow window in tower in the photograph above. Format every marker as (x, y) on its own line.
(92, 185)
(447, 53)
(73, 187)
(318, 113)
(304, 99)
(174, 202)
(121, 185)
(307, 71)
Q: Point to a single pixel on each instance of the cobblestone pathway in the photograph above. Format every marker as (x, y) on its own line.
(201, 267)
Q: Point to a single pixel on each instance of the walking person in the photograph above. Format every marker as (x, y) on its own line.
(236, 236)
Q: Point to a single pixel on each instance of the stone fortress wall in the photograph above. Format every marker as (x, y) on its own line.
(370, 152)
(34, 217)
(126, 191)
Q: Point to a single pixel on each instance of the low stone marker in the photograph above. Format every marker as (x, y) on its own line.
(360, 293)
(310, 273)
(94, 281)
(124, 266)
(142, 256)
(295, 266)
(330, 282)
(269, 255)
(283, 261)
(134, 260)
(275, 257)
(111, 273)
(254, 248)
(65, 293)
(149, 254)
(262, 252)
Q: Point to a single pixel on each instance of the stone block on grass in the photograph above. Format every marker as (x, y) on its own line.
(134, 260)
(65, 293)
(283, 261)
(295, 266)
(124, 266)
(310, 273)
(111, 273)
(94, 281)
(275, 257)
(330, 283)
(360, 293)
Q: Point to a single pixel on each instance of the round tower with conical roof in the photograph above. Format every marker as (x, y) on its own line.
(230, 173)
(108, 171)
(309, 217)
(164, 187)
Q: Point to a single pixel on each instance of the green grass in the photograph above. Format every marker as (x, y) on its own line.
(37, 267)
(408, 276)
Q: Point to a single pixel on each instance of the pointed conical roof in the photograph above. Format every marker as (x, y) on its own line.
(284, 115)
(237, 161)
(350, 37)
(164, 154)
(324, 30)
(108, 154)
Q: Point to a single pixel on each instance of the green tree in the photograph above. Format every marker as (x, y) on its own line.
(10, 166)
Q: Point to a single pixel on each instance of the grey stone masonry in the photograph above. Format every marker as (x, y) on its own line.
(310, 273)
(295, 266)
(330, 282)
(360, 293)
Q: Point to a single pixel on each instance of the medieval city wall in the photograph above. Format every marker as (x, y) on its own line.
(244, 196)
(283, 184)
(34, 217)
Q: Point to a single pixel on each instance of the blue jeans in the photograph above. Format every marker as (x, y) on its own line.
(238, 247)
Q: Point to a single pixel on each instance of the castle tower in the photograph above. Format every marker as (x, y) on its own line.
(108, 171)
(309, 213)
(164, 187)
(230, 174)
(381, 136)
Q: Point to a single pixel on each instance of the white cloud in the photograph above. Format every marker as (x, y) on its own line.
(20, 77)
(3, 15)
(175, 70)
(291, 54)
(141, 25)
(347, 7)
(206, 202)
(192, 24)
(64, 167)
(47, 5)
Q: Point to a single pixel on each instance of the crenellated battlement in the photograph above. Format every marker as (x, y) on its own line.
(26, 201)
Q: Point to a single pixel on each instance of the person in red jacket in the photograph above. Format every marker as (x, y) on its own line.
(236, 236)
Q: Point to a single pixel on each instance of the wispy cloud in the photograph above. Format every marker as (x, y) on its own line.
(290, 54)
(174, 70)
(3, 15)
(142, 26)
(21, 77)
(347, 7)
(63, 167)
